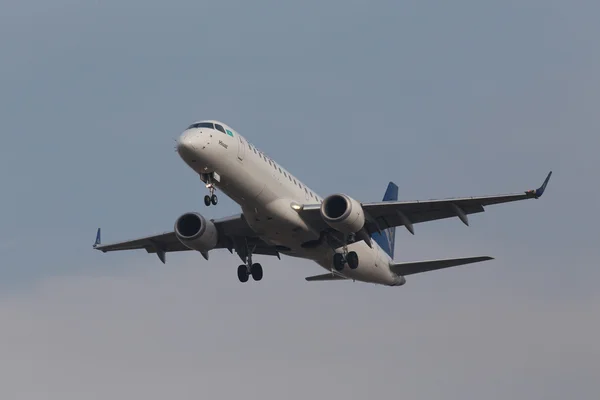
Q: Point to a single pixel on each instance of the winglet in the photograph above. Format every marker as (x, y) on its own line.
(540, 191)
(162, 256)
(98, 239)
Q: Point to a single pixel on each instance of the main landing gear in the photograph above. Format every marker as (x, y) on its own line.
(244, 271)
(339, 259)
(249, 268)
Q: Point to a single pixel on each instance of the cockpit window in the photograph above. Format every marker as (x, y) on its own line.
(202, 125)
(220, 128)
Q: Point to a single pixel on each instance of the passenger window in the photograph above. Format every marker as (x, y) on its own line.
(295, 183)
(270, 162)
(289, 176)
(250, 147)
(254, 151)
(284, 174)
(280, 171)
(220, 128)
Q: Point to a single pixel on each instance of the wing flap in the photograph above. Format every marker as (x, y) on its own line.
(409, 268)
(393, 214)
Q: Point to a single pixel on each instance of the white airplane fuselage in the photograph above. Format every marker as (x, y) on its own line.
(266, 192)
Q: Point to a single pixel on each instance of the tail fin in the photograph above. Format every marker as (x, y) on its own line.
(387, 238)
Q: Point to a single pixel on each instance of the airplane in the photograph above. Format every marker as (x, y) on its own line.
(280, 215)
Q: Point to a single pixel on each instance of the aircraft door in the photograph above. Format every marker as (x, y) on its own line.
(241, 148)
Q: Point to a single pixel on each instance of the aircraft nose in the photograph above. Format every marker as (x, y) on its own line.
(185, 143)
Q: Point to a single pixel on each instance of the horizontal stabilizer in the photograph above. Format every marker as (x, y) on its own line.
(325, 277)
(409, 268)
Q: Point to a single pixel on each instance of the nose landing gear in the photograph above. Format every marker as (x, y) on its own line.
(209, 180)
(212, 199)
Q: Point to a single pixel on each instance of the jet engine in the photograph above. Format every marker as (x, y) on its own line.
(195, 232)
(343, 213)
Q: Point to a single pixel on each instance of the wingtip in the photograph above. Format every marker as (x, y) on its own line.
(540, 191)
(98, 238)
(537, 193)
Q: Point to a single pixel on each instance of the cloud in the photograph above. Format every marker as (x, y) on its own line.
(190, 332)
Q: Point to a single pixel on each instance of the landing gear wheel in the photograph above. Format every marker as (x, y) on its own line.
(243, 273)
(211, 198)
(257, 272)
(352, 259)
(338, 261)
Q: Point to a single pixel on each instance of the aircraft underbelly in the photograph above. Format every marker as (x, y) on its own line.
(370, 268)
(277, 223)
(242, 187)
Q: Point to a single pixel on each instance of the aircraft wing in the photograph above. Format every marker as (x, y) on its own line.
(387, 214)
(234, 233)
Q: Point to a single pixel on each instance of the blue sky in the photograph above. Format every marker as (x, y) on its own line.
(467, 98)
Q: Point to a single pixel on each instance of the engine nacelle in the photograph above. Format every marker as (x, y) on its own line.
(195, 232)
(343, 213)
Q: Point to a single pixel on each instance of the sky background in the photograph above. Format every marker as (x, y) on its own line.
(444, 98)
